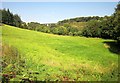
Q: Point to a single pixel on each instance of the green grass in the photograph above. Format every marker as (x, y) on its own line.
(63, 57)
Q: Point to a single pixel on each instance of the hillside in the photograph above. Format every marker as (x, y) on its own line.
(78, 25)
(63, 57)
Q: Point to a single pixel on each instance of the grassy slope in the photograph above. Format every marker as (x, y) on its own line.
(63, 57)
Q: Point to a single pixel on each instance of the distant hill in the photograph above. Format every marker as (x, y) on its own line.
(81, 19)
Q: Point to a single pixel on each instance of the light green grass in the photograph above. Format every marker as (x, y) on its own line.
(63, 57)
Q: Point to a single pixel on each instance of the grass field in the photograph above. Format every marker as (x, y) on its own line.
(63, 57)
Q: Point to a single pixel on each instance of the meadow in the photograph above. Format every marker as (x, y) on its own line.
(65, 58)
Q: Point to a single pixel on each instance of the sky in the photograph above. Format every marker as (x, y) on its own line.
(59, 0)
(52, 12)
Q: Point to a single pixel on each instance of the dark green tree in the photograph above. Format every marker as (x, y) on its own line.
(17, 20)
(4, 16)
(92, 29)
(10, 17)
(117, 23)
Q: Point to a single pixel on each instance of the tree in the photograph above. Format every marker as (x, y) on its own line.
(24, 25)
(4, 16)
(10, 17)
(55, 30)
(107, 27)
(117, 23)
(92, 29)
(0, 16)
(62, 30)
(7, 17)
(17, 20)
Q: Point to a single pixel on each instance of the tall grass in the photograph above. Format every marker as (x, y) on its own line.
(10, 61)
(14, 67)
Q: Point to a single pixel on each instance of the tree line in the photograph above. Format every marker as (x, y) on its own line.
(81, 19)
(10, 18)
(108, 27)
(103, 27)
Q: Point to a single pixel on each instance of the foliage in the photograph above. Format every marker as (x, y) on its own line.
(17, 21)
(80, 19)
(92, 29)
(117, 23)
(10, 19)
(14, 67)
(108, 27)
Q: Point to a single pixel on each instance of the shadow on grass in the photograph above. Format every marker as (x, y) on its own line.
(113, 46)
